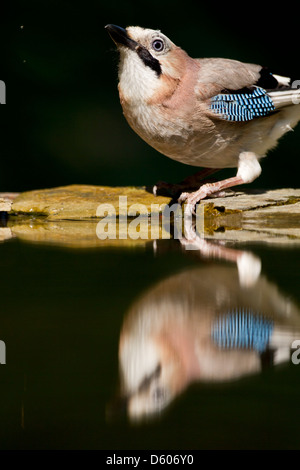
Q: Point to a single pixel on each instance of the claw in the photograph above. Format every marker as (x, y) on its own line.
(183, 197)
(191, 199)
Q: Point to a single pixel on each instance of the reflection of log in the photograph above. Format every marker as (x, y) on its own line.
(5, 234)
(69, 233)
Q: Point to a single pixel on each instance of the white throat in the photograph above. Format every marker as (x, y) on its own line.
(137, 81)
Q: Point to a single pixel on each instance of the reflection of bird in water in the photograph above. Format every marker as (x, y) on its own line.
(201, 325)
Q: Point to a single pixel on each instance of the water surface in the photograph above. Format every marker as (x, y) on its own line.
(64, 310)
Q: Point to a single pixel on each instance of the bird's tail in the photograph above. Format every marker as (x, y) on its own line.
(286, 97)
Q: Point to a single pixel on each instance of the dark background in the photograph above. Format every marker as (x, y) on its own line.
(62, 310)
(63, 123)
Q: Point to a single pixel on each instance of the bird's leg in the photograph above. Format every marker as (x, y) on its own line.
(248, 170)
(248, 265)
(208, 189)
(191, 182)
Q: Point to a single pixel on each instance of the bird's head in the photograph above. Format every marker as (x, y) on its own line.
(152, 373)
(149, 62)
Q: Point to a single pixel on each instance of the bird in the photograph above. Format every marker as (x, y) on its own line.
(210, 332)
(212, 113)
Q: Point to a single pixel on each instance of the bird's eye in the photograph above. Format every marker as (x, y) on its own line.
(158, 45)
(159, 395)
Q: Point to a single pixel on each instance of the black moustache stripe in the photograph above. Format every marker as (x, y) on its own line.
(149, 60)
(146, 382)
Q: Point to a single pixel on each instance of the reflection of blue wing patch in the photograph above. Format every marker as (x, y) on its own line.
(242, 106)
(241, 329)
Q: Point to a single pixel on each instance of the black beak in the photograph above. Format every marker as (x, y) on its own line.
(120, 36)
(117, 408)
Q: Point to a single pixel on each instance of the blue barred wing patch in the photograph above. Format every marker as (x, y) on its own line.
(242, 106)
(242, 329)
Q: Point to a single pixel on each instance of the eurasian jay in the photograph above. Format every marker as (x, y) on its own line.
(212, 113)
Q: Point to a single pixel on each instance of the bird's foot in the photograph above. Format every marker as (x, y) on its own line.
(209, 189)
(191, 199)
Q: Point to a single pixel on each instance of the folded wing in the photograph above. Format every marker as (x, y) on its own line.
(239, 91)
